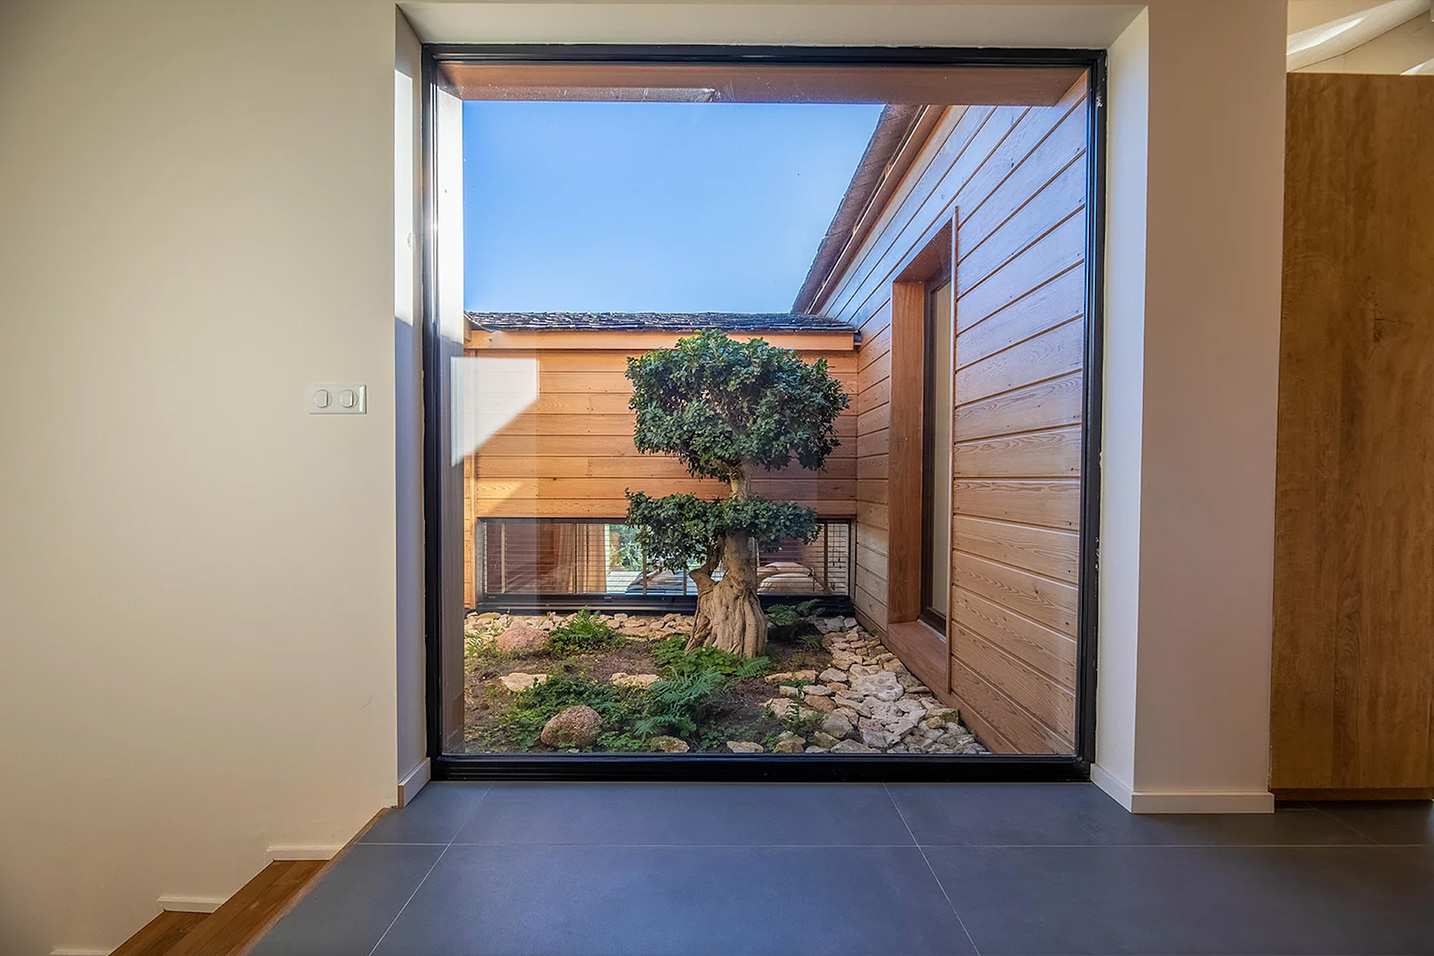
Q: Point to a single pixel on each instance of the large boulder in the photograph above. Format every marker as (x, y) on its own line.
(522, 638)
(576, 726)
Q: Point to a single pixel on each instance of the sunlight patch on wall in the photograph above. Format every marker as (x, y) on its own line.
(489, 393)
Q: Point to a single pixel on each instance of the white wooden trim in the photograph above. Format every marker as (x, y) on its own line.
(1158, 801)
(1117, 789)
(1233, 801)
(281, 853)
(189, 904)
(413, 781)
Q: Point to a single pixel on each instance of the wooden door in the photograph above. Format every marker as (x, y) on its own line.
(1353, 678)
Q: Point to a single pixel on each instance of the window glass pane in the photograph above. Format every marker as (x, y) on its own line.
(729, 390)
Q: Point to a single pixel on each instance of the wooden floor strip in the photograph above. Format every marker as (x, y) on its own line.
(161, 934)
(230, 929)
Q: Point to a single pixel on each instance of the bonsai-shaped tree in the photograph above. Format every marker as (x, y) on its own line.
(728, 409)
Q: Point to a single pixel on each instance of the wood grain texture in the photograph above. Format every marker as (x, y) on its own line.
(1013, 181)
(161, 934)
(567, 451)
(232, 928)
(908, 338)
(1353, 663)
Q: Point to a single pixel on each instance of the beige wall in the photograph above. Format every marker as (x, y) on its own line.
(408, 403)
(197, 580)
(1187, 554)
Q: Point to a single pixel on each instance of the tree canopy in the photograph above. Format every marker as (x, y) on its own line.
(726, 407)
(723, 406)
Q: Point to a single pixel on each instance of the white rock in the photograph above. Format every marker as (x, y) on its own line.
(901, 727)
(821, 690)
(634, 680)
(745, 747)
(837, 725)
(805, 677)
(832, 675)
(518, 680)
(883, 686)
(851, 747)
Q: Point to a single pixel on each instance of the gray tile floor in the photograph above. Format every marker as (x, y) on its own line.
(817, 869)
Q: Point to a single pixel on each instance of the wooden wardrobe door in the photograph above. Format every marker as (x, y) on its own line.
(1353, 679)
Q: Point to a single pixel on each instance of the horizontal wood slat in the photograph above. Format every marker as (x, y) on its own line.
(1050, 404)
(1046, 502)
(1047, 701)
(1048, 454)
(1049, 355)
(1046, 551)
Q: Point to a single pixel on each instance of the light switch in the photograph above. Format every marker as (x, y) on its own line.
(338, 399)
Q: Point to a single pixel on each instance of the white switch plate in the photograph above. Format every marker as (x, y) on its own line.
(338, 399)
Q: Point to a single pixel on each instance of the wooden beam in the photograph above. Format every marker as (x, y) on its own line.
(484, 340)
(762, 83)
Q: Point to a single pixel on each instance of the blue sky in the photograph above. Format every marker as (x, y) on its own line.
(663, 207)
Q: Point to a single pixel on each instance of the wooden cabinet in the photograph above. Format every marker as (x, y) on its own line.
(1353, 678)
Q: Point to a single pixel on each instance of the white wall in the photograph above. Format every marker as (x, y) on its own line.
(408, 404)
(1195, 732)
(200, 584)
(197, 579)
(1127, 159)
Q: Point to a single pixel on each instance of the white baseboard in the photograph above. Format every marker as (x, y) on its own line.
(281, 853)
(189, 904)
(1118, 790)
(1157, 801)
(1233, 801)
(63, 951)
(413, 782)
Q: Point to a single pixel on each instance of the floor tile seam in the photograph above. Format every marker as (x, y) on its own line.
(391, 923)
(702, 846)
(932, 870)
(1156, 846)
(436, 860)
(1345, 823)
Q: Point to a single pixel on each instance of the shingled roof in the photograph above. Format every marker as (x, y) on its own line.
(655, 321)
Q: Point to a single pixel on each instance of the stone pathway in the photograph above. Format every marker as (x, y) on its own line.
(872, 702)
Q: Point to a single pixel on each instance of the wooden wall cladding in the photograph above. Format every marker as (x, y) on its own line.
(1353, 675)
(1014, 179)
(568, 452)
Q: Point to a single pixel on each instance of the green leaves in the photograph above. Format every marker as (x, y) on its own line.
(585, 633)
(677, 530)
(718, 404)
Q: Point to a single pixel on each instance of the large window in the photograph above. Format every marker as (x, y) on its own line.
(756, 393)
(545, 561)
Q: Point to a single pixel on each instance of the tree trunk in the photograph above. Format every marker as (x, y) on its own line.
(729, 613)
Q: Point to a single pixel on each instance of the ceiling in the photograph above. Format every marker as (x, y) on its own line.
(1360, 36)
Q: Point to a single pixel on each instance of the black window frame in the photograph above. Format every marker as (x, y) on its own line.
(768, 767)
